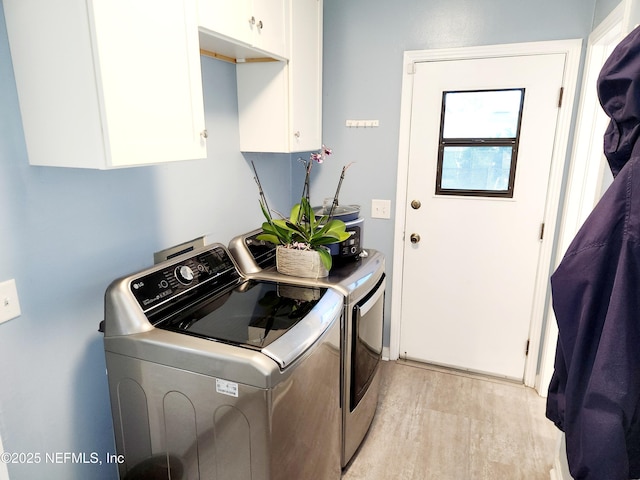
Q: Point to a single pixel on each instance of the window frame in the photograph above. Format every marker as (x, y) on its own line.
(512, 142)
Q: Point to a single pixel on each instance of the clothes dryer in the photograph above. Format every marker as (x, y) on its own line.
(362, 281)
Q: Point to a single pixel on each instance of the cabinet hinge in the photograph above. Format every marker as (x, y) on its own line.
(541, 230)
(560, 97)
(526, 349)
(411, 68)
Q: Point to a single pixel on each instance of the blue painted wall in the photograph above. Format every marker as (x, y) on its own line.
(66, 233)
(603, 8)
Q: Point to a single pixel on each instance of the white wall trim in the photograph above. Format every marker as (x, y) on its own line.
(560, 468)
(584, 172)
(4, 473)
(572, 50)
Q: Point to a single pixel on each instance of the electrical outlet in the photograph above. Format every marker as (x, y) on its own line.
(9, 304)
(380, 208)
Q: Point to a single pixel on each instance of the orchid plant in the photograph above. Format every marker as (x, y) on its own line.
(302, 230)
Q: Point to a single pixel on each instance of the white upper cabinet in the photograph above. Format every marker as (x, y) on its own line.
(108, 84)
(243, 29)
(280, 103)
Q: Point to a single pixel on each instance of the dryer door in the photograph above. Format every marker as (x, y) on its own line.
(366, 351)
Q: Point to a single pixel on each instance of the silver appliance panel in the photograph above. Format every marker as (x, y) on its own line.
(189, 405)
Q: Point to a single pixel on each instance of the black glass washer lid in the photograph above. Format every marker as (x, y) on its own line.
(252, 315)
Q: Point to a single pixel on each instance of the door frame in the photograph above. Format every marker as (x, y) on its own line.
(572, 49)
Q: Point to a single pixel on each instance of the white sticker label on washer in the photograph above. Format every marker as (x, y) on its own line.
(226, 388)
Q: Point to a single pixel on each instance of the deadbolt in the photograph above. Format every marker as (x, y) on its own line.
(415, 204)
(415, 238)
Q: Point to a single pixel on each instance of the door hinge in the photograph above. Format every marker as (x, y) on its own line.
(560, 97)
(526, 349)
(411, 68)
(541, 230)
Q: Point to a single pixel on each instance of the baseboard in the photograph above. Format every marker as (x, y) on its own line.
(4, 473)
(386, 354)
(560, 470)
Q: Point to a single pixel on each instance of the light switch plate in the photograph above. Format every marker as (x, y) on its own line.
(380, 208)
(9, 304)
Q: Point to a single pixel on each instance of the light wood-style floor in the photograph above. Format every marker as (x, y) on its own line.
(441, 424)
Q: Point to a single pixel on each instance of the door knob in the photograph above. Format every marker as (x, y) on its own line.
(415, 204)
(415, 238)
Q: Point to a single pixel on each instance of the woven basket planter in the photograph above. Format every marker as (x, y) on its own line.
(299, 263)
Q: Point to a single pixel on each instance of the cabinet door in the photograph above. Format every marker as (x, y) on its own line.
(269, 27)
(263, 106)
(230, 18)
(306, 76)
(147, 55)
(56, 85)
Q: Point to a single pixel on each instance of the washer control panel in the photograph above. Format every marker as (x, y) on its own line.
(171, 279)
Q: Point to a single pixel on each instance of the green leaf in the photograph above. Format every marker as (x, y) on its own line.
(325, 257)
(300, 232)
(294, 216)
(337, 228)
(281, 224)
(324, 240)
(269, 238)
(332, 232)
(277, 229)
(264, 211)
(309, 215)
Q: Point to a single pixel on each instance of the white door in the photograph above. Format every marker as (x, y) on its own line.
(470, 259)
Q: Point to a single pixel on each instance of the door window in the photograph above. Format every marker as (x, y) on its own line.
(479, 135)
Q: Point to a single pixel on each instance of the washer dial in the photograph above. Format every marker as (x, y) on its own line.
(184, 274)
